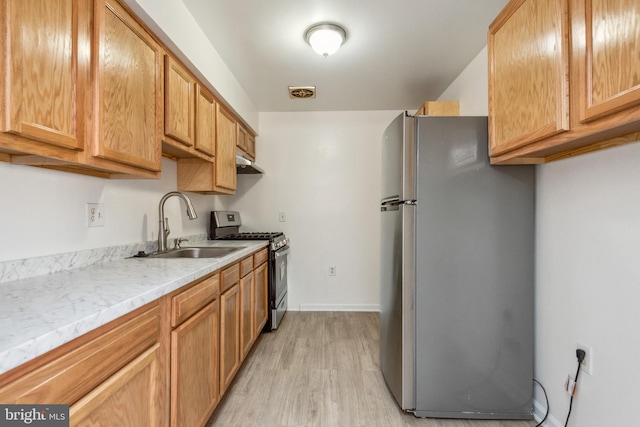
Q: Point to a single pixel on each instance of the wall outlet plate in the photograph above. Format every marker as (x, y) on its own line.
(587, 363)
(95, 215)
(570, 385)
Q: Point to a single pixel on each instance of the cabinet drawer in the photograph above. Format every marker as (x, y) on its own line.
(246, 266)
(260, 257)
(187, 303)
(230, 276)
(68, 378)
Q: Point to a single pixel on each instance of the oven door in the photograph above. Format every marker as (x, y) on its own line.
(279, 269)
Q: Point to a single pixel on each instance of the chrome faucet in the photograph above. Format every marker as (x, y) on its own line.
(163, 231)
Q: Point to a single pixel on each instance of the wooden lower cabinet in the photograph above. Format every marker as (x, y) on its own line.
(229, 335)
(167, 363)
(247, 304)
(112, 376)
(127, 399)
(261, 297)
(194, 368)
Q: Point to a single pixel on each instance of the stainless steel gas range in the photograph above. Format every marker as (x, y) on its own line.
(225, 225)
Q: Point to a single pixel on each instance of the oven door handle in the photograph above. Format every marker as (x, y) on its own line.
(282, 252)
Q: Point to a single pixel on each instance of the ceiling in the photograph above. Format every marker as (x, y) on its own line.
(398, 54)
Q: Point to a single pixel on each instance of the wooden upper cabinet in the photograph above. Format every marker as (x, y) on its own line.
(45, 61)
(225, 171)
(529, 72)
(215, 134)
(190, 115)
(540, 108)
(82, 90)
(241, 141)
(43, 87)
(246, 141)
(179, 114)
(251, 145)
(129, 90)
(609, 56)
(205, 121)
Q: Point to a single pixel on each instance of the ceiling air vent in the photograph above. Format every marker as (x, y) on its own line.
(302, 92)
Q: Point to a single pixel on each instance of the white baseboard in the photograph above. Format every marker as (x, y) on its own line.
(538, 414)
(338, 307)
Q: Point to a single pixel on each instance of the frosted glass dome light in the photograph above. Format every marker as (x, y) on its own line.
(326, 39)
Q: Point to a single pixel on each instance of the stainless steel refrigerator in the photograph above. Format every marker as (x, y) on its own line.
(456, 313)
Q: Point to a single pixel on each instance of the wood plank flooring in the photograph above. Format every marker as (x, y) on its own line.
(320, 369)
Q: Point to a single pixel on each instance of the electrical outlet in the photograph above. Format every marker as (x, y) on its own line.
(587, 363)
(332, 270)
(95, 215)
(282, 216)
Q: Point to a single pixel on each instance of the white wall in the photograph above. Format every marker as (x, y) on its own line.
(323, 171)
(471, 87)
(588, 277)
(42, 212)
(587, 273)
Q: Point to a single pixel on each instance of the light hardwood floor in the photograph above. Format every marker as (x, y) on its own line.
(320, 369)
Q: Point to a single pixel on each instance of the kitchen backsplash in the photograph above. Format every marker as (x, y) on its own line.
(30, 267)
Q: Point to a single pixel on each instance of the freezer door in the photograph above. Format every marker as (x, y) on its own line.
(474, 276)
(398, 159)
(396, 301)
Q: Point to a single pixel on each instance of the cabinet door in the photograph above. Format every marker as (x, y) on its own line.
(528, 74)
(129, 100)
(251, 146)
(129, 398)
(247, 308)
(44, 70)
(179, 92)
(205, 121)
(229, 336)
(261, 297)
(194, 368)
(608, 50)
(225, 168)
(241, 141)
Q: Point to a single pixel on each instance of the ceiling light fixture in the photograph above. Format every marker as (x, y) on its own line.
(325, 38)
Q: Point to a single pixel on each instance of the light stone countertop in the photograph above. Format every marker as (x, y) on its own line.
(41, 313)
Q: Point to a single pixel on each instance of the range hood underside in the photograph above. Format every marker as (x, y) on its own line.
(246, 166)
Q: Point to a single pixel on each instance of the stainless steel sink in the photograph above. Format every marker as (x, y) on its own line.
(198, 252)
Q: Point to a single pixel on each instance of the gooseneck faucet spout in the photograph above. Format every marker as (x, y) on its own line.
(163, 230)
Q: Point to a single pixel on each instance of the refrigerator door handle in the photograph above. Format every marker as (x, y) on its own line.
(392, 203)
